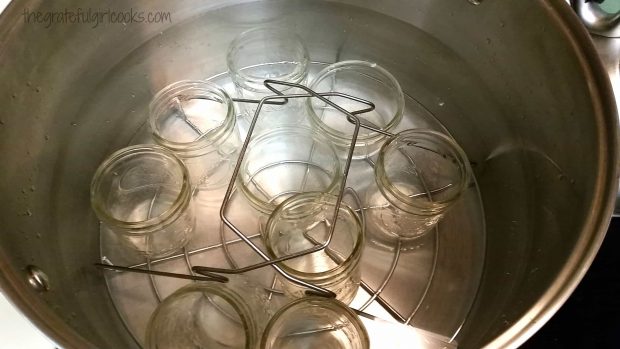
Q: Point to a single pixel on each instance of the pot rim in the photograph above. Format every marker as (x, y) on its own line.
(606, 120)
(606, 185)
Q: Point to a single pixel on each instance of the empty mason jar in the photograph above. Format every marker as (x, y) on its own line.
(268, 53)
(304, 221)
(196, 120)
(210, 315)
(361, 79)
(419, 175)
(284, 162)
(143, 194)
(315, 322)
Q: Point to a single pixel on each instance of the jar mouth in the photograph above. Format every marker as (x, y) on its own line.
(242, 75)
(371, 71)
(209, 130)
(310, 204)
(412, 202)
(207, 289)
(247, 176)
(335, 308)
(165, 218)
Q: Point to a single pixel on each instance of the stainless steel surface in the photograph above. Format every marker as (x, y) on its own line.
(541, 136)
(596, 19)
(608, 50)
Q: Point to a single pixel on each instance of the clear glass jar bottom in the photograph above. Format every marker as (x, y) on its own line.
(364, 80)
(419, 175)
(285, 162)
(143, 194)
(209, 315)
(304, 221)
(314, 322)
(196, 120)
(268, 53)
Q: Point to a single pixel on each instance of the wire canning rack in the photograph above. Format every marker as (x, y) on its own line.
(375, 288)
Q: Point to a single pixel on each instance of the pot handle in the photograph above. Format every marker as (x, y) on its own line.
(597, 16)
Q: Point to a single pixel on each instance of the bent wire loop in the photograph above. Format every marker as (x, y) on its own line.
(279, 98)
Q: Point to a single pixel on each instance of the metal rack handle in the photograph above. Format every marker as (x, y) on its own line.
(312, 289)
(279, 98)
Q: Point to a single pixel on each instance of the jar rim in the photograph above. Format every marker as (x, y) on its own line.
(352, 64)
(325, 199)
(217, 289)
(165, 218)
(267, 206)
(176, 89)
(331, 303)
(243, 79)
(406, 202)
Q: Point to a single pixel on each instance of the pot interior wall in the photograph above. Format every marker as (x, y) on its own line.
(502, 78)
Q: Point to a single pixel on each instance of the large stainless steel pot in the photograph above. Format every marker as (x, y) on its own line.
(517, 83)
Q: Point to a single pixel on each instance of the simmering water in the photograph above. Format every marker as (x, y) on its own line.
(418, 288)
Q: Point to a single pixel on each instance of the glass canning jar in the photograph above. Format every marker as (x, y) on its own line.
(196, 120)
(210, 315)
(315, 322)
(304, 221)
(284, 162)
(419, 175)
(268, 53)
(143, 194)
(361, 79)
